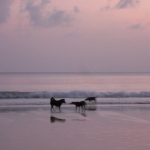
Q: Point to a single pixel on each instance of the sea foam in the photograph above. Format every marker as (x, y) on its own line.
(71, 94)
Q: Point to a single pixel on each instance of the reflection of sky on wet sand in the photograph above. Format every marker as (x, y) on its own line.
(114, 129)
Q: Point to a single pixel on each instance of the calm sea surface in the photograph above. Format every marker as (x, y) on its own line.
(65, 82)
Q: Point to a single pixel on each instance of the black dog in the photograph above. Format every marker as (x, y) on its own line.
(91, 99)
(79, 104)
(56, 103)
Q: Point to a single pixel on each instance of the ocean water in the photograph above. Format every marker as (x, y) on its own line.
(109, 88)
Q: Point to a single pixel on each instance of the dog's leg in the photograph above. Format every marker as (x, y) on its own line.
(59, 109)
(52, 108)
(79, 108)
(82, 108)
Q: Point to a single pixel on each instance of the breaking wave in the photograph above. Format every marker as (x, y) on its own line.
(71, 94)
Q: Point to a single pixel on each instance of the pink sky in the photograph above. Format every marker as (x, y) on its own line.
(74, 36)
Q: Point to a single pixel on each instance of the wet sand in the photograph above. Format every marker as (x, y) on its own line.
(104, 127)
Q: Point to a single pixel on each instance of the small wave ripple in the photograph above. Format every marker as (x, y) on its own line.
(71, 94)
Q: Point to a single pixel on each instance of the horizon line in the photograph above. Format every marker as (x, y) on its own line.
(46, 72)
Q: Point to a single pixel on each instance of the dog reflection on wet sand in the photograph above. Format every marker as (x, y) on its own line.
(55, 119)
(83, 113)
(91, 107)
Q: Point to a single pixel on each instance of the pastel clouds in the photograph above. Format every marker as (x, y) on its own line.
(120, 4)
(136, 26)
(38, 13)
(49, 18)
(5, 10)
(126, 3)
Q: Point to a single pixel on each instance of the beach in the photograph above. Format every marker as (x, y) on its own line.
(104, 127)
